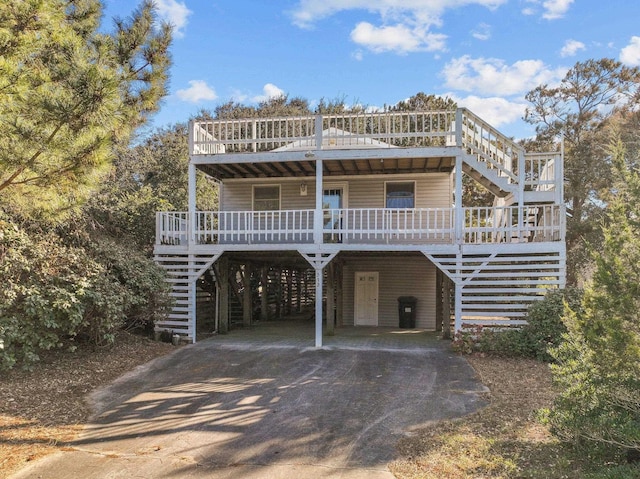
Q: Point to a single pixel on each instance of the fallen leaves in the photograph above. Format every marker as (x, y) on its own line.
(43, 409)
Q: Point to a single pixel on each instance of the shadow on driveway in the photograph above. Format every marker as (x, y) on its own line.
(241, 407)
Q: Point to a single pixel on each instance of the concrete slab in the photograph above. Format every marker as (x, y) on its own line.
(244, 406)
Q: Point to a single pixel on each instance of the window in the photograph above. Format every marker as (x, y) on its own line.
(400, 195)
(266, 198)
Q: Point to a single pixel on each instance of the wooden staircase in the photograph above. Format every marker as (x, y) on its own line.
(494, 286)
(183, 270)
(504, 168)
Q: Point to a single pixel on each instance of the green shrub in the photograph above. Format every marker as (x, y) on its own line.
(55, 295)
(505, 342)
(545, 327)
(544, 330)
(142, 282)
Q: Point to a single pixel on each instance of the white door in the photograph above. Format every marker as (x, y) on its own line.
(334, 200)
(366, 300)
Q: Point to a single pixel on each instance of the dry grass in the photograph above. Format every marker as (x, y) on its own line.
(42, 409)
(503, 440)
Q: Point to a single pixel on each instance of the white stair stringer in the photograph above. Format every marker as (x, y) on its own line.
(494, 287)
(499, 182)
(183, 270)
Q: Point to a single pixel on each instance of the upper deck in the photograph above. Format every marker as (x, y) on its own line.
(355, 144)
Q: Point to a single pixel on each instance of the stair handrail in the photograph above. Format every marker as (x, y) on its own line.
(491, 147)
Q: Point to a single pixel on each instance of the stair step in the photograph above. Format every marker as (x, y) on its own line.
(490, 179)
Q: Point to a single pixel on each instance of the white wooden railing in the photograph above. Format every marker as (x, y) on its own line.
(389, 225)
(172, 227)
(247, 227)
(497, 224)
(512, 224)
(405, 129)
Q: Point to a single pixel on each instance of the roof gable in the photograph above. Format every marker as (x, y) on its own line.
(335, 138)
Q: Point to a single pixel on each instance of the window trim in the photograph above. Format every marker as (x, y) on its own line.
(396, 182)
(253, 196)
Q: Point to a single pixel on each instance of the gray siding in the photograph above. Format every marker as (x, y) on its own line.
(238, 196)
(399, 276)
(433, 190)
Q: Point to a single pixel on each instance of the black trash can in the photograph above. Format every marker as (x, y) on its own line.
(407, 311)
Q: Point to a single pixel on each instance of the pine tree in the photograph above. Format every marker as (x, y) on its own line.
(578, 109)
(150, 177)
(598, 365)
(69, 94)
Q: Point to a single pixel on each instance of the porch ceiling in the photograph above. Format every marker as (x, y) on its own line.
(344, 167)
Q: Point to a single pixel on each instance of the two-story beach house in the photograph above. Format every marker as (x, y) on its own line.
(372, 204)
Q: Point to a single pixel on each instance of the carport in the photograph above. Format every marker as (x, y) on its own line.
(281, 287)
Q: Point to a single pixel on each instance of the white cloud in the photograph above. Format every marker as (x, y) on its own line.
(398, 38)
(268, 91)
(238, 96)
(630, 55)
(175, 13)
(198, 91)
(491, 76)
(571, 47)
(554, 9)
(482, 32)
(308, 12)
(405, 26)
(494, 110)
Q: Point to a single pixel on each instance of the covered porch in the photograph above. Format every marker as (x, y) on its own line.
(363, 226)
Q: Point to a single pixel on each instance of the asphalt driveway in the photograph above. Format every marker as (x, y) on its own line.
(250, 406)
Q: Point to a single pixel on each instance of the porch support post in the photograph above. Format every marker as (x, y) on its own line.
(264, 298)
(317, 216)
(339, 295)
(223, 288)
(318, 260)
(522, 174)
(319, 276)
(439, 299)
(558, 169)
(446, 307)
(192, 203)
(458, 307)
(459, 213)
(247, 300)
(330, 299)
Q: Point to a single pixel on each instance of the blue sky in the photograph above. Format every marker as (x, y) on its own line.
(485, 54)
